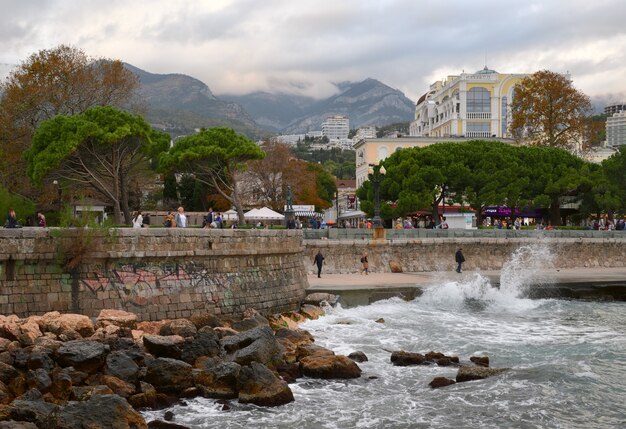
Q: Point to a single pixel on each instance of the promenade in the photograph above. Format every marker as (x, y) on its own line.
(581, 283)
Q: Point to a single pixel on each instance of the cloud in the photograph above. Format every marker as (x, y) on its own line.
(239, 46)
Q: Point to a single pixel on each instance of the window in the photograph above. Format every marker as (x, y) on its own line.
(478, 100)
(504, 116)
(478, 127)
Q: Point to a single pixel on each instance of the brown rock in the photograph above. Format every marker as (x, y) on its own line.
(108, 333)
(402, 358)
(218, 380)
(83, 393)
(289, 353)
(152, 328)
(120, 318)
(159, 424)
(312, 350)
(289, 372)
(381, 320)
(56, 323)
(61, 385)
(480, 360)
(200, 320)
(6, 395)
(4, 344)
(358, 356)
(441, 382)
(164, 346)
(169, 375)
(258, 385)
(444, 361)
(469, 373)
(295, 316)
(297, 337)
(118, 386)
(329, 367)
(433, 356)
(182, 327)
(10, 330)
(395, 267)
(311, 311)
(223, 332)
(100, 411)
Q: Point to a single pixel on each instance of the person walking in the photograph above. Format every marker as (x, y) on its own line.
(459, 258)
(181, 218)
(137, 220)
(365, 264)
(319, 261)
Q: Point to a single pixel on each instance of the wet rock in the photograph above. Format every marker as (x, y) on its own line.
(121, 365)
(218, 381)
(169, 375)
(101, 411)
(329, 367)
(480, 360)
(279, 321)
(159, 424)
(311, 311)
(258, 385)
(182, 327)
(289, 372)
(395, 267)
(251, 319)
(358, 356)
(295, 336)
(441, 382)
(164, 346)
(469, 373)
(258, 344)
(433, 356)
(83, 355)
(381, 320)
(119, 318)
(118, 386)
(146, 398)
(205, 343)
(317, 298)
(312, 350)
(444, 361)
(37, 412)
(402, 358)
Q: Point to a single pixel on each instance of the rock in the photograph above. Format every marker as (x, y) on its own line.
(83, 393)
(395, 267)
(100, 411)
(61, 387)
(12, 424)
(77, 377)
(119, 364)
(83, 355)
(433, 356)
(7, 373)
(146, 398)
(289, 372)
(311, 311)
(200, 320)
(251, 319)
(441, 382)
(4, 344)
(222, 332)
(18, 385)
(296, 336)
(469, 373)
(164, 346)
(295, 317)
(37, 412)
(159, 424)
(480, 360)
(56, 323)
(119, 318)
(402, 358)
(169, 375)
(312, 350)
(182, 327)
(205, 343)
(358, 357)
(29, 332)
(118, 386)
(10, 330)
(40, 358)
(381, 320)
(152, 328)
(39, 379)
(258, 385)
(278, 321)
(218, 381)
(108, 333)
(444, 361)
(328, 367)
(318, 298)
(258, 344)
(6, 395)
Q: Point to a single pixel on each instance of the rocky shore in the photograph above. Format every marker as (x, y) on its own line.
(69, 371)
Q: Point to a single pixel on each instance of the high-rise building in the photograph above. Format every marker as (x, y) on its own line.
(336, 127)
(365, 132)
(614, 108)
(474, 105)
(616, 129)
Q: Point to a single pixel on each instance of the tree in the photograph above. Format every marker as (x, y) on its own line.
(614, 170)
(548, 110)
(59, 81)
(102, 148)
(216, 157)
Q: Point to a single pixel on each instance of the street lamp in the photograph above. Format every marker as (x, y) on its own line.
(337, 203)
(376, 175)
(58, 186)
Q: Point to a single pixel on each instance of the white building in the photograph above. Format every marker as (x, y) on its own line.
(616, 129)
(614, 108)
(336, 127)
(365, 132)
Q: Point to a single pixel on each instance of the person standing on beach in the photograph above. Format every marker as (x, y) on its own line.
(319, 261)
(365, 264)
(459, 258)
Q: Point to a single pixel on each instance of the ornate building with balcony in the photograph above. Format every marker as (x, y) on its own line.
(471, 105)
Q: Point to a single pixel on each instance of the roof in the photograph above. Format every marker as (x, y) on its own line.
(348, 183)
(485, 70)
(263, 213)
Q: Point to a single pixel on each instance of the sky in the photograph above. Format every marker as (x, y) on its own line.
(305, 46)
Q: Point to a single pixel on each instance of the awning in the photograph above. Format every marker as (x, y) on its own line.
(306, 213)
(352, 214)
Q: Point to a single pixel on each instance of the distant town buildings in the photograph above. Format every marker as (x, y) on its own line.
(336, 127)
(474, 105)
(616, 129)
(611, 109)
(365, 132)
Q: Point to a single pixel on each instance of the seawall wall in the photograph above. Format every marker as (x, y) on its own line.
(157, 273)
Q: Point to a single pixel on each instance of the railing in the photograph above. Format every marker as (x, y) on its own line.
(479, 134)
(488, 77)
(478, 115)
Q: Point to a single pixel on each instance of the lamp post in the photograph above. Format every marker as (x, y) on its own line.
(58, 186)
(376, 175)
(337, 204)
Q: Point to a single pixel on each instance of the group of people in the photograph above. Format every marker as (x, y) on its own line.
(12, 222)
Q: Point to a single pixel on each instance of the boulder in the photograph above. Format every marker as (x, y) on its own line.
(218, 381)
(84, 393)
(433, 356)
(395, 267)
(12, 424)
(7, 373)
(312, 350)
(61, 387)
(222, 331)
(83, 355)
(402, 358)
(358, 356)
(152, 328)
(57, 323)
(39, 379)
(289, 372)
(318, 298)
(100, 411)
(258, 344)
(200, 320)
(329, 367)
(278, 321)
(251, 319)
(10, 330)
(469, 373)
(311, 311)
(120, 318)
(205, 343)
(182, 327)
(118, 386)
(29, 332)
(121, 365)
(40, 357)
(6, 396)
(295, 336)
(37, 412)
(164, 346)
(160, 424)
(146, 398)
(380, 320)
(441, 382)
(108, 333)
(169, 375)
(480, 360)
(4, 344)
(260, 386)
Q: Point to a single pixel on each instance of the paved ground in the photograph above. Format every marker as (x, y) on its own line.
(376, 281)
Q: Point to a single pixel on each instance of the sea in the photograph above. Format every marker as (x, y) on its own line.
(567, 361)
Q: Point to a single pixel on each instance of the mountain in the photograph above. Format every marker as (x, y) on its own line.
(369, 102)
(179, 104)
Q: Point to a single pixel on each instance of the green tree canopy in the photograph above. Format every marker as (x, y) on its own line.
(102, 148)
(215, 156)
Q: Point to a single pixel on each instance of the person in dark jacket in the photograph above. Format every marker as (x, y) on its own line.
(319, 261)
(459, 258)
(11, 220)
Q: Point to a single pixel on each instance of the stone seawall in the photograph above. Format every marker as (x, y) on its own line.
(437, 254)
(157, 273)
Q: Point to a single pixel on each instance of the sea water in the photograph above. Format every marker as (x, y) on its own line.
(567, 360)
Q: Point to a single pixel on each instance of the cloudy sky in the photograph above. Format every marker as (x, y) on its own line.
(299, 46)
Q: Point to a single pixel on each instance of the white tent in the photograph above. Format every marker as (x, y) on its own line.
(230, 215)
(263, 214)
